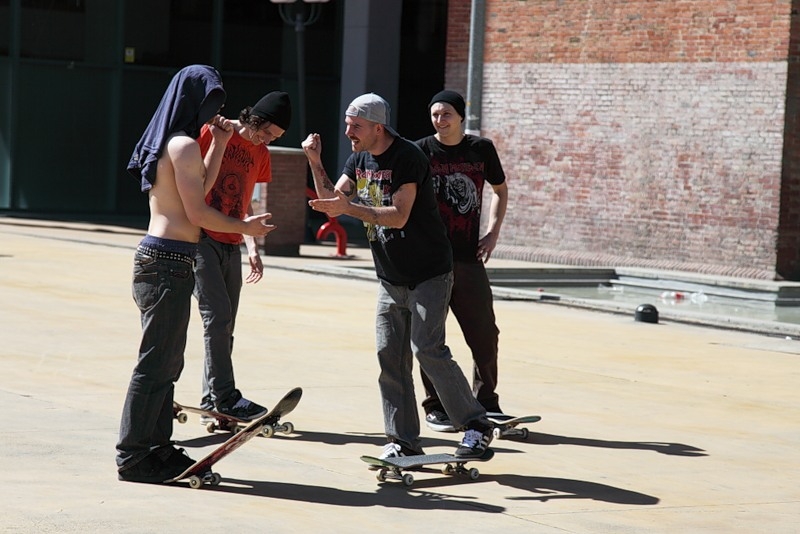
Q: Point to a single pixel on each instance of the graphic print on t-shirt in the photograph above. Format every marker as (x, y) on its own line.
(375, 189)
(226, 196)
(459, 189)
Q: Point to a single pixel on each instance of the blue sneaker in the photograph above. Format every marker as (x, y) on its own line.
(475, 443)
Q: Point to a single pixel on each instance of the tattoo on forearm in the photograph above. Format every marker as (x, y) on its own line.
(321, 177)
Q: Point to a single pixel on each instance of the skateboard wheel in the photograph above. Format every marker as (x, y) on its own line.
(211, 427)
(381, 475)
(182, 418)
(195, 482)
(267, 431)
(524, 433)
(497, 433)
(215, 479)
(288, 428)
(408, 479)
(448, 469)
(474, 474)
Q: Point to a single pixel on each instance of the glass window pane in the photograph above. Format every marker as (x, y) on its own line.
(168, 33)
(42, 24)
(252, 36)
(5, 27)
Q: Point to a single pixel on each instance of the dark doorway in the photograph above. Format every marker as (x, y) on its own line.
(422, 64)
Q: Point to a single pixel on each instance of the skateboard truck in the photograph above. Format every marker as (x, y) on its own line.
(506, 425)
(209, 477)
(455, 468)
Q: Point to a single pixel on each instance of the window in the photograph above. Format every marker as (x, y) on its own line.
(5, 28)
(168, 33)
(42, 32)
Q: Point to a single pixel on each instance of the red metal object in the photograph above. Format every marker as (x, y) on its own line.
(331, 227)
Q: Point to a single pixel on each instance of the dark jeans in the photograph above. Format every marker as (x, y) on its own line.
(218, 284)
(162, 289)
(472, 305)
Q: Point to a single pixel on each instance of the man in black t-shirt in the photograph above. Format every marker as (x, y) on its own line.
(461, 166)
(386, 183)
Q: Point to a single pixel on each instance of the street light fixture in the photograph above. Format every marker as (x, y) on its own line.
(295, 13)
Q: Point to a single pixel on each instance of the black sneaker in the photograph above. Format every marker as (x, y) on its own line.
(149, 470)
(176, 459)
(438, 421)
(243, 409)
(475, 442)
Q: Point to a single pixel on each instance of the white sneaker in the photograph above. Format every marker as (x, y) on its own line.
(395, 450)
(391, 450)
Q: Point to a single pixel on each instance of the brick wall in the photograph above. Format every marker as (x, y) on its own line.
(641, 133)
(285, 199)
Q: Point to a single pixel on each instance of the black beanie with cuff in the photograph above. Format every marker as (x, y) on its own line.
(452, 98)
(276, 108)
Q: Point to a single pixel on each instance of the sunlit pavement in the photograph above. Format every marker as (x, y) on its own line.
(667, 427)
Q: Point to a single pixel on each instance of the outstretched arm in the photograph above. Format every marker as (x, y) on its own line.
(394, 216)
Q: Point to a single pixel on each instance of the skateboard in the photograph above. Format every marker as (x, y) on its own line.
(395, 468)
(200, 473)
(227, 423)
(505, 425)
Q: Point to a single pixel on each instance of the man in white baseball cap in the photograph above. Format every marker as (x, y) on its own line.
(389, 178)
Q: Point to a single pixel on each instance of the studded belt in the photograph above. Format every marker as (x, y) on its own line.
(163, 255)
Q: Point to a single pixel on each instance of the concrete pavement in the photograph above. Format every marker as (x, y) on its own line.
(646, 428)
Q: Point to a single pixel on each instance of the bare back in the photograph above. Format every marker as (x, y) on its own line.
(178, 189)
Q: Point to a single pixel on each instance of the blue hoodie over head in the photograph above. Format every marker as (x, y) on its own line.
(193, 97)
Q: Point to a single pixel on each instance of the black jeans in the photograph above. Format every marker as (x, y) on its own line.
(472, 305)
(162, 289)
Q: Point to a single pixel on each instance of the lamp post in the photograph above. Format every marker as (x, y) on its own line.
(299, 15)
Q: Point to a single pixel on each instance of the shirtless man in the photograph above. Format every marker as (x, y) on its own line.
(168, 163)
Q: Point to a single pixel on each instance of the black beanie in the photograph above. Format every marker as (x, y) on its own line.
(276, 108)
(452, 98)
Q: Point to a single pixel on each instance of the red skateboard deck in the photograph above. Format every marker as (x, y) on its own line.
(200, 472)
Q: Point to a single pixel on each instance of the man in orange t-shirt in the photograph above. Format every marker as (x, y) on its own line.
(218, 272)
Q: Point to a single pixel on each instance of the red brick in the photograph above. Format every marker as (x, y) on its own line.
(644, 132)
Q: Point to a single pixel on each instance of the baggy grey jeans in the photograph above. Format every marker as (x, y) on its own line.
(410, 323)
